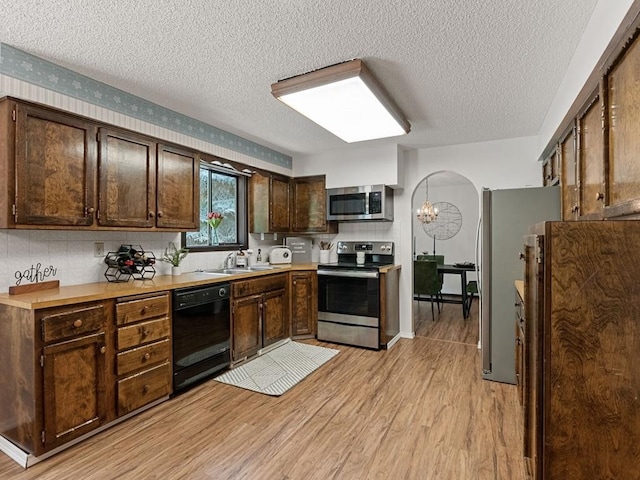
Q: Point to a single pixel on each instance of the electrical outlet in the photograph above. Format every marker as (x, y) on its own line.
(98, 249)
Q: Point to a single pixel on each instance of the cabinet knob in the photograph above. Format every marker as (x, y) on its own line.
(89, 210)
(103, 349)
(599, 196)
(160, 214)
(152, 214)
(146, 356)
(77, 323)
(574, 209)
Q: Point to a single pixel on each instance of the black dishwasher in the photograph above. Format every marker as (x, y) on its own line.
(201, 333)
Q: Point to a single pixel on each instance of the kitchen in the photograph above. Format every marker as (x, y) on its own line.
(389, 164)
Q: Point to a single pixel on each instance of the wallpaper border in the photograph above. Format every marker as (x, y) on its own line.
(31, 69)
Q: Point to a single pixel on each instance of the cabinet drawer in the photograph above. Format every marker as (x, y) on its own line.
(73, 322)
(143, 357)
(142, 388)
(142, 309)
(259, 285)
(144, 332)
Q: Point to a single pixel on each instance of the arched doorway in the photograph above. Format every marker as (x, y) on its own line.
(456, 239)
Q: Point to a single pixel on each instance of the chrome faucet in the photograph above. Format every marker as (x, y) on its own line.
(230, 261)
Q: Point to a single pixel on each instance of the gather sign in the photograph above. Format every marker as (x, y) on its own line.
(37, 273)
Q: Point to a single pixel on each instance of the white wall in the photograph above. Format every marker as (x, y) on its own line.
(370, 165)
(499, 164)
(461, 247)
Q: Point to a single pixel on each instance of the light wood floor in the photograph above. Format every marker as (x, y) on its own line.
(417, 411)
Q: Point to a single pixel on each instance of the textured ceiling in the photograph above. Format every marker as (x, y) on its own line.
(461, 70)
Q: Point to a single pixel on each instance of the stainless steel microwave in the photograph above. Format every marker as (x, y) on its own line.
(370, 202)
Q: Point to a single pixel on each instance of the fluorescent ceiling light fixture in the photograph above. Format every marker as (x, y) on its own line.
(345, 99)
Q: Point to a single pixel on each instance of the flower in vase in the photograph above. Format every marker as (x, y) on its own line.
(214, 219)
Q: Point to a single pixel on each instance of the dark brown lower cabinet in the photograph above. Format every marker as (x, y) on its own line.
(304, 304)
(582, 310)
(74, 388)
(260, 314)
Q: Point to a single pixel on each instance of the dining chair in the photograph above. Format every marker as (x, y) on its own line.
(472, 291)
(426, 281)
(439, 260)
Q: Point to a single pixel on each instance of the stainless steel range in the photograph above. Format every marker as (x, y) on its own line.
(349, 294)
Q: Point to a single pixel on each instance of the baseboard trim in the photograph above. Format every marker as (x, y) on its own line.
(25, 459)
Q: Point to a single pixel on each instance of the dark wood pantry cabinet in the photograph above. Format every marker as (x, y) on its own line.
(581, 382)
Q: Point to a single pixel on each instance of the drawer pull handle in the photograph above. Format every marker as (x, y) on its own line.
(599, 196)
(144, 310)
(146, 332)
(77, 323)
(521, 256)
(103, 349)
(146, 356)
(146, 388)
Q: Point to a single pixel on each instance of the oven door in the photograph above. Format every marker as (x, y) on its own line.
(346, 292)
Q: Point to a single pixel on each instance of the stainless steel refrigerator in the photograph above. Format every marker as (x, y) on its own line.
(505, 218)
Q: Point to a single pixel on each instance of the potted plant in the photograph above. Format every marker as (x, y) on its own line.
(174, 256)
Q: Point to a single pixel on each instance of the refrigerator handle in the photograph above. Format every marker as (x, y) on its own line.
(485, 283)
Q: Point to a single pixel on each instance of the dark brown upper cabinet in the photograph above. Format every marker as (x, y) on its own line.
(127, 179)
(591, 164)
(568, 177)
(55, 163)
(59, 170)
(623, 119)
(269, 201)
(309, 205)
(178, 199)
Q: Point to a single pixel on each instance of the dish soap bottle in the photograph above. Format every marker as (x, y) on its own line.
(259, 256)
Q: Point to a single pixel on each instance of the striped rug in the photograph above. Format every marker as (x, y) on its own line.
(277, 371)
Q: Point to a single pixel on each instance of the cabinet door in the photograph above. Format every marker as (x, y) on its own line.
(279, 198)
(269, 197)
(568, 176)
(309, 204)
(304, 303)
(623, 111)
(74, 388)
(533, 362)
(178, 188)
(127, 180)
(274, 317)
(247, 326)
(591, 163)
(55, 168)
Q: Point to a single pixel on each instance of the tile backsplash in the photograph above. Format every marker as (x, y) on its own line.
(70, 254)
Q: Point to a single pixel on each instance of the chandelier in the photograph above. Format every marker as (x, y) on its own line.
(427, 213)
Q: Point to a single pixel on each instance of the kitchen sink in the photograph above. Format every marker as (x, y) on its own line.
(236, 270)
(215, 273)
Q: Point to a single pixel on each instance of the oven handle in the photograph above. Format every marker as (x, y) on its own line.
(348, 273)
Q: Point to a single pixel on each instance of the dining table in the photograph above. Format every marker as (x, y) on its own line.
(460, 269)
